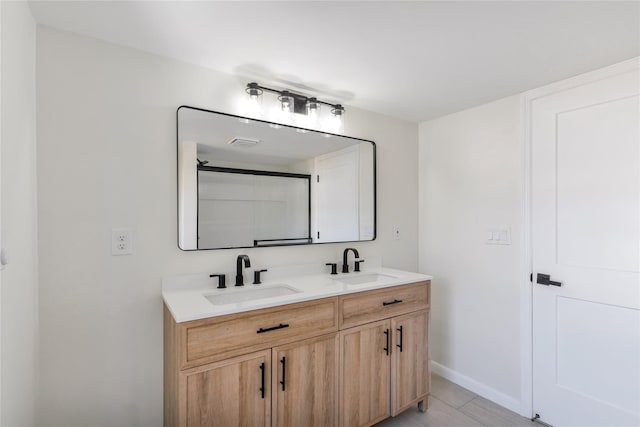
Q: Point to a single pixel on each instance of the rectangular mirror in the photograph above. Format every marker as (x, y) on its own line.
(249, 183)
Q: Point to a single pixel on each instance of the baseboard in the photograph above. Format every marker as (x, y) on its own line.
(478, 388)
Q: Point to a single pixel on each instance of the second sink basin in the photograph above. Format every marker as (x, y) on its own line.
(365, 278)
(250, 294)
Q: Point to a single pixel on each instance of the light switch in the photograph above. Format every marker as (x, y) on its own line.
(498, 235)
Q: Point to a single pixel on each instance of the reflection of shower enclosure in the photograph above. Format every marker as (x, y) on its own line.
(242, 207)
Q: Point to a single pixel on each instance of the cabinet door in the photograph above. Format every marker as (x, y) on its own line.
(410, 360)
(233, 392)
(305, 382)
(365, 374)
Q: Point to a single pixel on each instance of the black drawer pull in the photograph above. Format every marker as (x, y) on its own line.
(262, 380)
(395, 301)
(284, 367)
(273, 328)
(400, 345)
(386, 349)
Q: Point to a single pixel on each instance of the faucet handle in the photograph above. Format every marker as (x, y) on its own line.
(357, 264)
(256, 276)
(221, 280)
(334, 267)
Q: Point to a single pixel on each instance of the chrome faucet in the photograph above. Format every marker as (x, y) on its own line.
(247, 263)
(345, 265)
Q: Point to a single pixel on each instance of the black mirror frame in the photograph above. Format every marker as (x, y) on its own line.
(375, 182)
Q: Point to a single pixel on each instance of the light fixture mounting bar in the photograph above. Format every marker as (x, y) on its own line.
(299, 101)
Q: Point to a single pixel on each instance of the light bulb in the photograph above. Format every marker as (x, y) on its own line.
(254, 101)
(286, 107)
(336, 122)
(286, 102)
(313, 112)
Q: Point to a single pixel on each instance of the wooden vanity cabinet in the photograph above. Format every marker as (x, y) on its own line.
(410, 368)
(337, 361)
(227, 393)
(384, 363)
(305, 383)
(365, 374)
(212, 367)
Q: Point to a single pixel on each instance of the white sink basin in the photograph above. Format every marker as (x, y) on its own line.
(361, 279)
(233, 296)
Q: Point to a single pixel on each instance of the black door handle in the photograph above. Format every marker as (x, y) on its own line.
(400, 345)
(395, 301)
(545, 279)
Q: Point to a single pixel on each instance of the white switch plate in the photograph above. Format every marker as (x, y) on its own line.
(396, 232)
(498, 235)
(121, 241)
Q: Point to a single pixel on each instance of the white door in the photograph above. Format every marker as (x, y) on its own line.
(586, 235)
(337, 196)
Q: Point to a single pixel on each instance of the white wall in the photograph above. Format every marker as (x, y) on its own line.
(107, 158)
(470, 180)
(18, 200)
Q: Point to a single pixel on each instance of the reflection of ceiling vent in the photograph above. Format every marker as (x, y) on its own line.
(243, 142)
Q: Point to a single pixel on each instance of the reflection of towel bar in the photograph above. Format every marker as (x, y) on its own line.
(274, 242)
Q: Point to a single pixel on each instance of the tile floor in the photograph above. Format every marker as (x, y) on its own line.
(453, 406)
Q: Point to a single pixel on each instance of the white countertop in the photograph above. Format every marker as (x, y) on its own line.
(186, 296)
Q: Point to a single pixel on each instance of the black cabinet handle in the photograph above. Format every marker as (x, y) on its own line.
(395, 301)
(400, 345)
(262, 380)
(273, 328)
(386, 349)
(284, 367)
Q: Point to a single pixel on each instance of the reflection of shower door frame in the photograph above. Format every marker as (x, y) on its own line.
(336, 190)
(256, 243)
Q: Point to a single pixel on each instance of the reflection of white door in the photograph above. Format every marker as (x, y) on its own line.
(337, 196)
(586, 235)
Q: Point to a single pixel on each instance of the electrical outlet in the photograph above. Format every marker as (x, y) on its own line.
(396, 232)
(121, 241)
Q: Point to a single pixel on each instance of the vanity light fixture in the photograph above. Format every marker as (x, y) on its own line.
(297, 103)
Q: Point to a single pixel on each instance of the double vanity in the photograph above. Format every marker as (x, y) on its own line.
(300, 346)
(303, 348)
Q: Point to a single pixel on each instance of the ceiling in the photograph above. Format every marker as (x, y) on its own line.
(280, 145)
(411, 60)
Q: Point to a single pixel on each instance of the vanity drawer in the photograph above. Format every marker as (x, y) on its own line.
(364, 307)
(218, 338)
